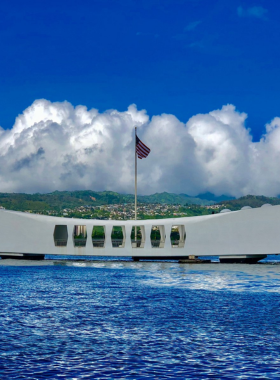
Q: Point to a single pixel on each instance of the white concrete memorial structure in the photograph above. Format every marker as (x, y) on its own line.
(247, 235)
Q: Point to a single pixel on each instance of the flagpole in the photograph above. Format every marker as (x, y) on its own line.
(135, 228)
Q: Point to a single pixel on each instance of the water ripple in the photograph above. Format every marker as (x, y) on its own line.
(125, 320)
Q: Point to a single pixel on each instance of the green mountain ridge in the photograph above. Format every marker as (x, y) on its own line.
(60, 200)
(249, 200)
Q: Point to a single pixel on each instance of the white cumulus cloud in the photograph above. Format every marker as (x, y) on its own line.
(55, 146)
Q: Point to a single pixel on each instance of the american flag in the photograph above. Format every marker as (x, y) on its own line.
(141, 149)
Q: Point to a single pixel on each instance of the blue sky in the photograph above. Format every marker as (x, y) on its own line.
(209, 69)
(182, 57)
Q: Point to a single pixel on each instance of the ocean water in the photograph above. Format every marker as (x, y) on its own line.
(109, 319)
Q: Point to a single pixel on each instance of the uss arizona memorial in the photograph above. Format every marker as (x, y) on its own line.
(247, 235)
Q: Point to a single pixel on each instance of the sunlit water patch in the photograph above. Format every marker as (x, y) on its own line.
(214, 277)
(67, 319)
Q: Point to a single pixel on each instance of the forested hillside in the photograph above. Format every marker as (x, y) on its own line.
(249, 200)
(60, 200)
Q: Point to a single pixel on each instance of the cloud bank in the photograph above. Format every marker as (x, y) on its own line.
(55, 146)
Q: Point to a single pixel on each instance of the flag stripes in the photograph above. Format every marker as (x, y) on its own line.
(141, 149)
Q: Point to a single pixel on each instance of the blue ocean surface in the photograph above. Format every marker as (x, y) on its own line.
(119, 319)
